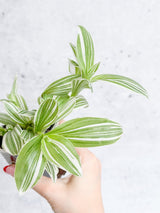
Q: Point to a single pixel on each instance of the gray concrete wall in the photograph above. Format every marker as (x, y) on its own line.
(34, 37)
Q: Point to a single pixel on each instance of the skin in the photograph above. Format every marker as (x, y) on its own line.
(73, 194)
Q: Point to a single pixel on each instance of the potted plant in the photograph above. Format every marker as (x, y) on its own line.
(35, 137)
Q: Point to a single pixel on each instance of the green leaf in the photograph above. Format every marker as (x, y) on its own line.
(5, 119)
(45, 115)
(12, 142)
(62, 153)
(74, 67)
(65, 107)
(13, 112)
(2, 131)
(30, 164)
(89, 131)
(60, 87)
(78, 85)
(80, 55)
(122, 81)
(73, 49)
(52, 170)
(17, 99)
(81, 102)
(89, 47)
(93, 70)
(27, 135)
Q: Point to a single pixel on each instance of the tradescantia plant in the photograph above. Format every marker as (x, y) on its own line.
(35, 137)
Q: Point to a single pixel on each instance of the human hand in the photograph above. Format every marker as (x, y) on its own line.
(73, 194)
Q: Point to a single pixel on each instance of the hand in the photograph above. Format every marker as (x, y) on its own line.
(73, 194)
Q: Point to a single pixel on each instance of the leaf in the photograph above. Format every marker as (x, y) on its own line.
(17, 99)
(65, 107)
(73, 49)
(13, 112)
(89, 131)
(5, 119)
(78, 85)
(74, 67)
(27, 135)
(81, 102)
(60, 87)
(80, 55)
(52, 170)
(122, 81)
(45, 115)
(62, 153)
(89, 47)
(2, 131)
(12, 142)
(30, 164)
(93, 70)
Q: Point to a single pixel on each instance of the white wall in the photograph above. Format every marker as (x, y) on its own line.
(34, 37)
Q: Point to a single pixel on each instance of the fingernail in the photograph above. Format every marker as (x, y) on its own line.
(5, 168)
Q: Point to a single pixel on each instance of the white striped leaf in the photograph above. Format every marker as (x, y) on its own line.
(79, 54)
(93, 70)
(65, 107)
(12, 141)
(78, 85)
(122, 81)
(45, 115)
(74, 67)
(30, 164)
(60, 87)
(89, 131)
(5, 119)
(89, 48)
(27, 135)
(17, 99)
(62, 153)
(81, 102)
(52, 170)
(73, 49)
(13, 112)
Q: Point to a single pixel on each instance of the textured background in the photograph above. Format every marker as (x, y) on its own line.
(34, 37)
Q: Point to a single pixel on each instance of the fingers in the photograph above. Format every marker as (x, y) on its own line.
(9, 169)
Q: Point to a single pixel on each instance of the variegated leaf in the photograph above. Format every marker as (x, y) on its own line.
(27, 135)
(12, 141)
(73, 49)
(89, 48)
(74, 67)
(79, 54)
(122, 81)
(78, 85)
(93, 70)
(30, 164)
(65, 107)
(89, 131)
(5, 119)
(13, 112)
(81, 102)
(62, 153)
(46, 115)
(52, 170)
(17, 99)
(60, 87)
